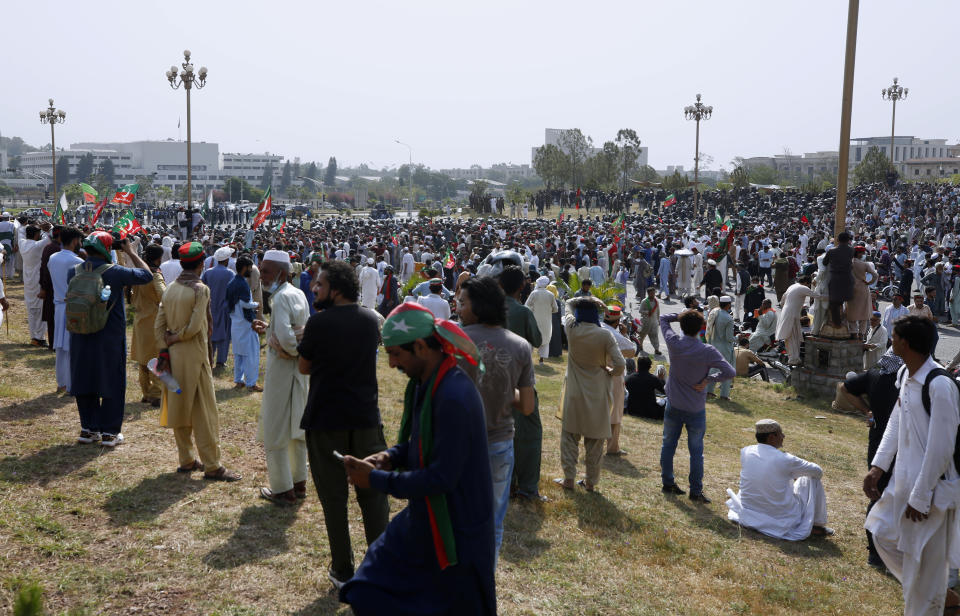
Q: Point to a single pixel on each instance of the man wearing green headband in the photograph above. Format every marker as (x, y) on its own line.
(437, 555)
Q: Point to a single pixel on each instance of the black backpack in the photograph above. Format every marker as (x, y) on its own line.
(925, 396)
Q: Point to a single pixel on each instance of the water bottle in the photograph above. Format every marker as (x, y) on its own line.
(165, 377)
(105, 293)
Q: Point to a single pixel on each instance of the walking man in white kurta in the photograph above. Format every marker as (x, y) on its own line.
(788, 324)
(543, 303)
(914, 524)
(285, 389)
(780, 494)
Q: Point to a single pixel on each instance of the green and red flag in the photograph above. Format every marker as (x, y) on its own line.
(578, 198)
(46, 213)
(620, 222)
(394, 241)
(560, 217)
(670, 200)
(126, 194)
(99, 210)
(280, 228)
(804, 219)
(90, 194)
(449, 262)
(263, 210)
(127, 225)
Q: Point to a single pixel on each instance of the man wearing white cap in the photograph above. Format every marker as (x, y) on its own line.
(543, 303)
(720, 335)
(369, 284)
(876, 342)
(780, 494)
(286, 389)
(217, 278)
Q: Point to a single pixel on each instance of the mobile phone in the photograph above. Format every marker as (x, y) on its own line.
(338, 455)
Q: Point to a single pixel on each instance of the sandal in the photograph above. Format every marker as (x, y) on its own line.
(563, 483)
(583, 484)
(300, 489)
(222, 474)
(283, 499)
(196, 465)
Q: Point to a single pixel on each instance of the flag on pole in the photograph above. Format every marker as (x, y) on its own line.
(449, 262)
(263, 210)
(280, 228)
(560, 217)
(99, 210)
(126, 194)
(46, 213)
(207, 207)
(395, 242)
(578, 197)
(670, 200)
(620, 222)
(58, 215)
(127, 225)
(804, 219)
(716, 215)
(90, 194)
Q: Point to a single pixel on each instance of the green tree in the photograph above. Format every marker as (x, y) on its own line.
(285, 178)
(628, 145)
(85, 167)
(14, 162)
(873, 168)
(311, 171)
(550, 164)
(762, 174)
(515, 193)
(237, 189)
(740, 178)
(478, 191)
(601, 170)
(267, 178)
(73, 191)
(646, 173)
(578, 147)
(330, 177)
(107, 171)
(676, 182)
(63, 172)
(164, 193)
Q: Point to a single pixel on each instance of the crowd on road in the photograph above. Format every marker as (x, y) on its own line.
(461, 304)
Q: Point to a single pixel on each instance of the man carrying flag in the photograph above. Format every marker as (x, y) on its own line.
(59, 215)
(263, 211)
(437, 555)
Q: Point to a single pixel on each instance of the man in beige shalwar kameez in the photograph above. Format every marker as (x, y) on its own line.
(587, 397)
(182, 327)
(285, 389)
(145, 301)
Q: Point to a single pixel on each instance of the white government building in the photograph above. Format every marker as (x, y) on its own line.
(165, 160)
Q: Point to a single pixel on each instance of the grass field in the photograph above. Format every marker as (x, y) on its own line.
(118, 532)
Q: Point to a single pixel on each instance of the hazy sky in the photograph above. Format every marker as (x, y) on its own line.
(477, 82)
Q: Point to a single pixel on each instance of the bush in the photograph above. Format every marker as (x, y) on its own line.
(29, 601)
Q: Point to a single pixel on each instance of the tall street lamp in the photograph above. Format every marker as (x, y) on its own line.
(410, 167)
(52, 116)
(188, 80)
(894, 93)
(698, 111)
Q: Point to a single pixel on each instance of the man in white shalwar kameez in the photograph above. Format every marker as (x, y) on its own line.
(31, 249)
(780, 494)
(684, 271)
(543, 303)
(788, 323)
(369, 285)
(59, 264)
(914, 524)
(285, 389)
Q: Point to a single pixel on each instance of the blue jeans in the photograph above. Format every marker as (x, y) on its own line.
(501, 469)
(673, 422)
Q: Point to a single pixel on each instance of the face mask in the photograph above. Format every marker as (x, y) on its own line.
(273, 288)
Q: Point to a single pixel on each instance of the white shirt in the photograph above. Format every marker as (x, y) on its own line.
(891, 314)
(767, 501)
(171, 271)
(623, 343)
(435, 304)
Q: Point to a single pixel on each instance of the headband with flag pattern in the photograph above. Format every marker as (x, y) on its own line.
(190, 252)
(409, 321)
(100, 241)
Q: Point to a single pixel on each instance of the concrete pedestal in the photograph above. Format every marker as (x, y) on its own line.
(826, 362)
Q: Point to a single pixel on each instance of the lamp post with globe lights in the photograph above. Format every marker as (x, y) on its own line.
(698, 111)
(52, 116)
(188, 80)
(894, 93)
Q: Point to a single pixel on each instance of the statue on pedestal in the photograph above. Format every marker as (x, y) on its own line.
(839, 262)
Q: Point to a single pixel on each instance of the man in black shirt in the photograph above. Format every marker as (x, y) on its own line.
(642, 388)
(712, 278)
(339, 352)
(880, 386)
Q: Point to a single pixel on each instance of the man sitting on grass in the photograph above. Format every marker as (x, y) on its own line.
(780, 495)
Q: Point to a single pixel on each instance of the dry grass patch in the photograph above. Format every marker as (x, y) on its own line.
(119, 532)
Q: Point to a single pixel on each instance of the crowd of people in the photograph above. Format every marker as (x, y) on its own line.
(459, 305)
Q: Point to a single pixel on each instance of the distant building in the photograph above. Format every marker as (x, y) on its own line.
(928, 169)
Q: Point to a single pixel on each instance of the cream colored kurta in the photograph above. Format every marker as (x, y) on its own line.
(588, 396)
(859, 307)
(285, 389)
(543, 303)
(145, 301)
(184, 311)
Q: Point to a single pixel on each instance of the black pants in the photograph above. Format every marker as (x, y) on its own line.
(333, 490)
(527, 448)
(100, 414)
